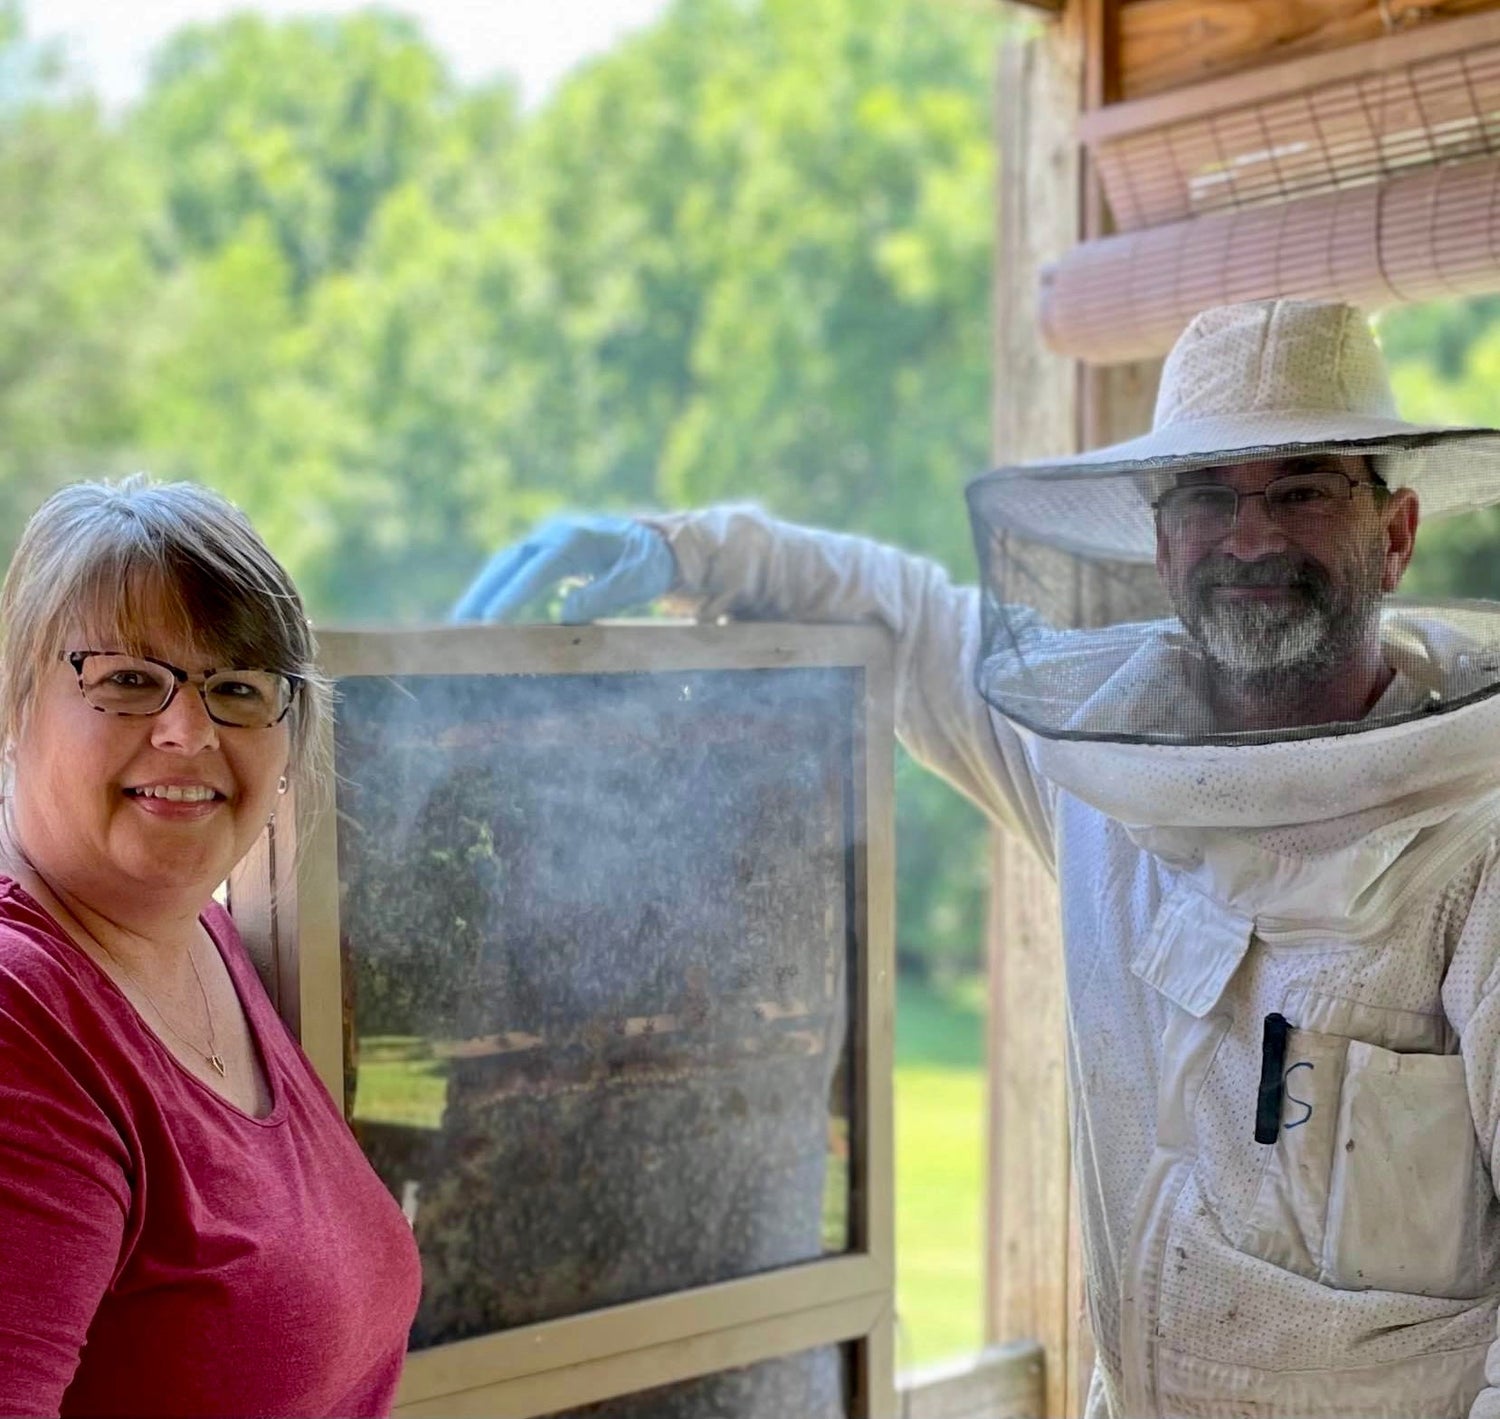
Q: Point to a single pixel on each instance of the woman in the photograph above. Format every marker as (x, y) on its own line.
(186, 1224)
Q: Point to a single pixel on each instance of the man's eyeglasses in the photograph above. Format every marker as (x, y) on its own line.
(140, 684)
(1296, 502)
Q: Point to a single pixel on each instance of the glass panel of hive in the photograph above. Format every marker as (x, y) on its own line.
(599, 937)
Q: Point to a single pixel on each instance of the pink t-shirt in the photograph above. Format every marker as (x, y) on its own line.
(162, 1252)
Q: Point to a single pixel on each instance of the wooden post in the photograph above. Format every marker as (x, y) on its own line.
(1044, 405)
(1035, 413)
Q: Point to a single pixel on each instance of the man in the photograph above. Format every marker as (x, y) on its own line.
(1275, 821)
(1277, 569)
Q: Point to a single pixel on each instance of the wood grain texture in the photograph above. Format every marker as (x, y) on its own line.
(837, 1289)
(1101, 52)
(1101, 85)
(1035, 412)
(652, 1361)
(1043, 405)
(1385, 55)
(1165, 44)
(1029, 1177)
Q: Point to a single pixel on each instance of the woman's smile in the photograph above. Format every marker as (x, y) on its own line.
(177, 800)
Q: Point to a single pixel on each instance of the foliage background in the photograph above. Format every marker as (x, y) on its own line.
(743, 255)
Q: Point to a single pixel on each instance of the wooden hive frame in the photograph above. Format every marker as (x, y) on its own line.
(285, 899)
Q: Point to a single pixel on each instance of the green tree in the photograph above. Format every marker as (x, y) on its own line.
(745, 254)
(943, 876)
(326, 177)
(766, 233)
(1445, 368)
(763, 238)
(75, 286)
(304, 126)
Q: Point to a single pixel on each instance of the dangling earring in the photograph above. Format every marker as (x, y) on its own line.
(282, 785)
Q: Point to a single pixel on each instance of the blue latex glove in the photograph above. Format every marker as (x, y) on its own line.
(628, 565)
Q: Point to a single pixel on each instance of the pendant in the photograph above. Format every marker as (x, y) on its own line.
(217, 1063)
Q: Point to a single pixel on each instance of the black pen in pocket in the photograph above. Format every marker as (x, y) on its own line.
(1272, 1073)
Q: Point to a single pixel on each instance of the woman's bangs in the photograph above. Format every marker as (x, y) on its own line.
(130, 603)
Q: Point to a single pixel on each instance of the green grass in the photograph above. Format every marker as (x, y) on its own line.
(399, 1082)
(939, 1171)
(939, 1155)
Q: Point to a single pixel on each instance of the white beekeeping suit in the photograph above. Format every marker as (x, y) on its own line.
(1274, 815)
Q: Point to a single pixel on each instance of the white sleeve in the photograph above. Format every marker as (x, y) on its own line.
(738, 561)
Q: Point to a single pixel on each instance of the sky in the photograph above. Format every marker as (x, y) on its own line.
(537, 41)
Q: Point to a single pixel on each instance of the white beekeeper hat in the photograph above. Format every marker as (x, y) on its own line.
(1262, 380)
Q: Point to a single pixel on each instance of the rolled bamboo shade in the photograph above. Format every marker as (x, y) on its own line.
(1432, 233)
(1370, 174)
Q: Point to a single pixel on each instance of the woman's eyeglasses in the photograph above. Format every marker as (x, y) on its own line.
(114, 683)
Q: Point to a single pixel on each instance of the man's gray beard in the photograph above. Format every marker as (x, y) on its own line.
(1269, 647)
(1266, 649)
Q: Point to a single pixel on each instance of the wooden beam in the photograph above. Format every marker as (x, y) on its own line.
(1165, 44)
(1029, 1223)
(1035, 413)
(1044, 405)
(1101, 52)
(1101, 85)
(1418, 45)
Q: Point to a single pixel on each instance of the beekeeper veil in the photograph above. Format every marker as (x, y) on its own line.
(1276, 498)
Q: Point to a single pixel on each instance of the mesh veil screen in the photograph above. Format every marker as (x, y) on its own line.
(1171, 623)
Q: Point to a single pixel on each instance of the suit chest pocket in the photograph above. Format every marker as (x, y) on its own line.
(1375, 1180)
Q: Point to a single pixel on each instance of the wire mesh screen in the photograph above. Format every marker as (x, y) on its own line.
(1275, 607)
(1320, 136)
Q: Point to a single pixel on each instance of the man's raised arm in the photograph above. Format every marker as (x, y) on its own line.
(738, 561)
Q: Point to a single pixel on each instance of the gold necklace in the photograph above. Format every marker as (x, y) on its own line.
(211, 1055)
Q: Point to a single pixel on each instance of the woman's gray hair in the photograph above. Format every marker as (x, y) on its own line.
(109, 560)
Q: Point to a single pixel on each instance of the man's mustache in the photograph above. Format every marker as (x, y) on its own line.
(1277, 570)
